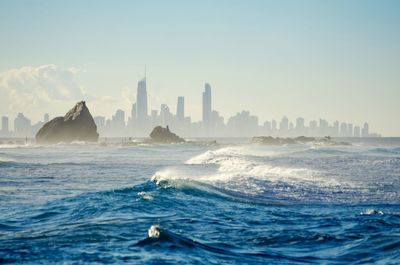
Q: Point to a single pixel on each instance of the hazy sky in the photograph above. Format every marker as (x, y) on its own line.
(338, 60)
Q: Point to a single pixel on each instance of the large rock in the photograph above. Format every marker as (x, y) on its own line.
(164, 135)
(76, 125)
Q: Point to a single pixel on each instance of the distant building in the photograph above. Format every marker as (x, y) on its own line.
(22, 126)
(284, 125)
(180, 109)
(154, 118)
(141, 103)
(117, 126)
(133, 112)
(335, 130)
(300, 123)
(267, 126)
(343, 129)
(357, 131)
(313, 124)
(100, 123)
(350, 130)
(323, 127)
(165, 115)
(207, 105)
(274, 125)
(365, 130)
(46, 117)
(243, 124)
(300, 127)
(5, 126)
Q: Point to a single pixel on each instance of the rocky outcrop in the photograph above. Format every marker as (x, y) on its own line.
(76, 125)
(269, 140)
(164, 135)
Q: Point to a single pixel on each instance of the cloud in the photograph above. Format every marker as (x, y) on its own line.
(36, 86)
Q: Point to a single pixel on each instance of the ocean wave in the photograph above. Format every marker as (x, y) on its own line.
(238, 174)
(387, 150)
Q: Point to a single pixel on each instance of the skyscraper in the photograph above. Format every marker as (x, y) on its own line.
(357, 131)
(207, 105)
(284, 124)
(22, 125)
(4, 125)
(365, 130)
(343, 129)
(165, 115)
(180, 108)
(141, 101)
(133, 112)
(350, 132)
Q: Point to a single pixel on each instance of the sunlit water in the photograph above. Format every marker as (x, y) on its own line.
(200, 204)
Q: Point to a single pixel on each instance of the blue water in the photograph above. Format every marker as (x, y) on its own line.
(198, 204)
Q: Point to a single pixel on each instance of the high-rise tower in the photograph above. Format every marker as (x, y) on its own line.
(141, 101)
(207, 105)
(180, 108)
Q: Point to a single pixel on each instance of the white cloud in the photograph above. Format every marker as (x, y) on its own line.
(29, 88)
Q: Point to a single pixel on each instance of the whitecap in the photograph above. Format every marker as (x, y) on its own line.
(154, 231)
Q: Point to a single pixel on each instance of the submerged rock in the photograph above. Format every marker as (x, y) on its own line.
(76, 125)
(269, 140)
(164, 135)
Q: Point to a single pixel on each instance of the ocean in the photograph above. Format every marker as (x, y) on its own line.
(196, 203)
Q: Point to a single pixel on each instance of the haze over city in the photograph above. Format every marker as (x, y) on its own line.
(334, 61)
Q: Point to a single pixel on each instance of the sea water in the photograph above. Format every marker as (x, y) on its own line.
(230, 203)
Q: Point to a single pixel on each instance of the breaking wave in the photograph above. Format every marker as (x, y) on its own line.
(247, 170)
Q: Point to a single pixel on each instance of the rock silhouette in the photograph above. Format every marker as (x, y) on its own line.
(164, 135)
(76, 125)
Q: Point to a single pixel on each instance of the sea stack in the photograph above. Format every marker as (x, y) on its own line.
(76, 125)
(164, 135)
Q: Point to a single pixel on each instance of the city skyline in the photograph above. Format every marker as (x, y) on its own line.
(243, 124)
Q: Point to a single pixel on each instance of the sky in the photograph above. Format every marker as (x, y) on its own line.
(338, 60)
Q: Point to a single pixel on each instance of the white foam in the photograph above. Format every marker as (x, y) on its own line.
(154, 231)
(145, 195)
(371, 212)
(239, 170)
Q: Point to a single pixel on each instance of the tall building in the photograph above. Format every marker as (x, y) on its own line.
(350, 132)
(22, 125)
(4, 125)
(133, 112)
(118, 123)
(365, 130)
(180, 108)
(100, 123)
(300, 123)
(343, 129)
(165, 115)
(357, 131)
(284, 124)
(207, 105)
(274, 125)
(323, 127)
(335, 128)
(300, 128)
(141, 101)
(267, 126)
